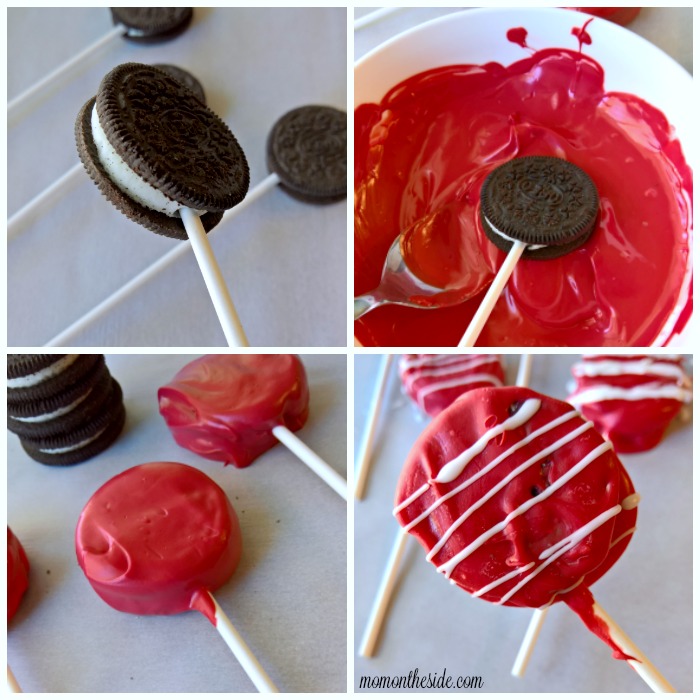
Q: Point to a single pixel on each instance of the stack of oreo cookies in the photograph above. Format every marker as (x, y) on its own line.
(64, 408)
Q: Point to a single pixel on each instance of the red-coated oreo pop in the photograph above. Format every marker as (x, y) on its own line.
(518, 500)
(224, 407)
(157, 539)
(17, 573)
(433, 382)
(631, 399)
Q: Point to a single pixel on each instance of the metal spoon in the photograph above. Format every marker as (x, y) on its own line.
(400, 285)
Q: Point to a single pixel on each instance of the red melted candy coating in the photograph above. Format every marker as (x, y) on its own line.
(631, 399)
(423, 153)
(538, 509)
(17, 573)
(435, 381)
(224, 407)
(157, 538)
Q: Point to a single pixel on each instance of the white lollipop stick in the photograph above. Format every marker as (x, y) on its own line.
(524, 370)
(648, 672)
(312, 460)
(381, 601)
(118, 31)
(12, 684)
(370, 428)
(489, 301)
(370, 17)
(216, 285)
(51, 193)
(528, 643)
(242, 652)
(152, 270)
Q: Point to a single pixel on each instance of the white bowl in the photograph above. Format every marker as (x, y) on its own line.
(631, 64)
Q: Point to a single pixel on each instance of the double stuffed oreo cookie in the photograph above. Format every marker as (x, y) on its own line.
(307, 149)
(64, 408)
(548, 203)
(147, 25)
(152, 147)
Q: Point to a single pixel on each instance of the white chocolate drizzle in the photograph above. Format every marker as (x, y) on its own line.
(492, 465)
(455, 467)
(670, 379)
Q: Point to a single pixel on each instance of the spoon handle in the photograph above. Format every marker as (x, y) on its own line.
(363, 304)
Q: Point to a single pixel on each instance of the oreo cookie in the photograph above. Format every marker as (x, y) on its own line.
(79, 451)
(63, 412)
(36, 378)
(152, 147)
(148, 25)
(184, 77)
(85, 441)
(65, 408)
(546, 202)
(307, 149)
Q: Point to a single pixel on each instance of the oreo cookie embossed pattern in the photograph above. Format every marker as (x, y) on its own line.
(306, 148)
(546, 202)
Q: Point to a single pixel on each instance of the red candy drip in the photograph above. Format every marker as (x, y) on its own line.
(517, 35)
(224, 407)
(17, 573)
(156, 538)
(427, 148)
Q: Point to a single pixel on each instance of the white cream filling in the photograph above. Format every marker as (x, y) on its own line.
(72, 448)
(512, 240)
(43, 374)
(54, 414)
(129, 182)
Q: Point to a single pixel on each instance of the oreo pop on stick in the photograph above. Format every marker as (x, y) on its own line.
(144, 25)
(57, 188)
(167, 162)
(159, 539)
(380, 607)
(492, 490)
(307, 153)
(537, 207)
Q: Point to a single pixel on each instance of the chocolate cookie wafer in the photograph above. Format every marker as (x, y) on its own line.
(307, 149)
(184, 77)
(548, 203)
(152, 147)
(85, 441)
(148, 25)
(32, 378)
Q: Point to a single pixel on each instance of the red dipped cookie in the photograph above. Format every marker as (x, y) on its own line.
(631, 399)
(518, 500)
(433, 382)
(17, 573)
(157, 538)
(224, 407)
